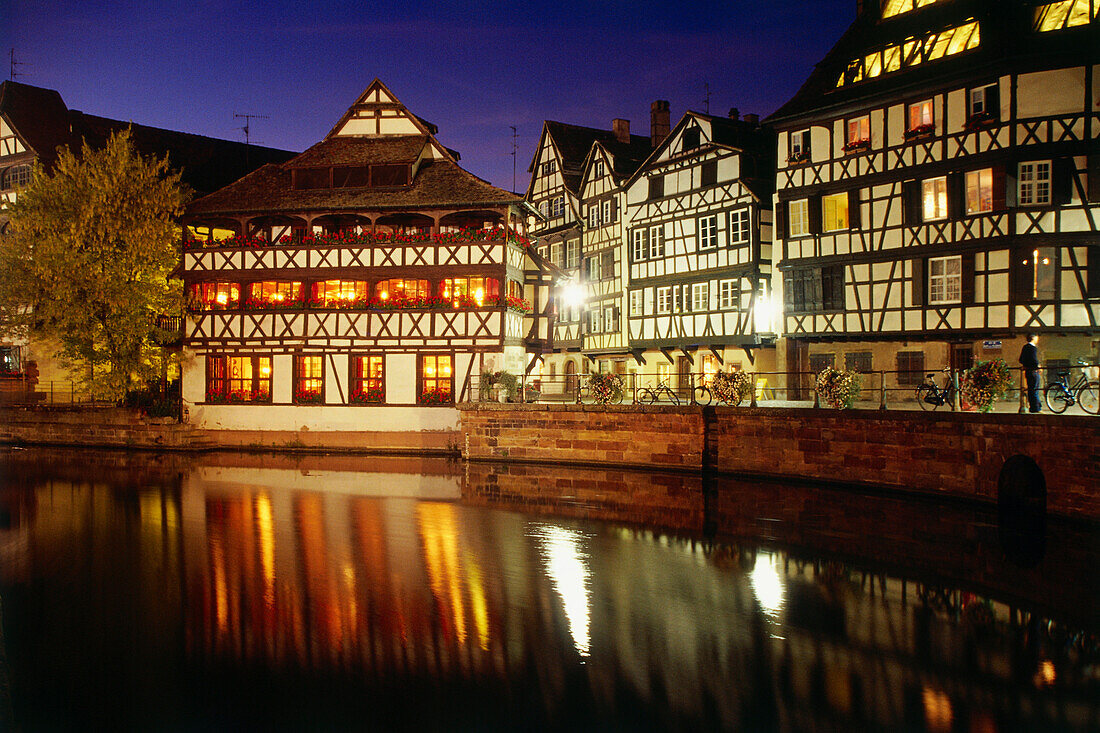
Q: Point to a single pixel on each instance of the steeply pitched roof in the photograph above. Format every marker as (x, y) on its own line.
(574, 142)
(40, 117)
(352, 150)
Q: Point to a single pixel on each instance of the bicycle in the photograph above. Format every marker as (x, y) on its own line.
(931, 396)
(1059, 395)
(648, 395)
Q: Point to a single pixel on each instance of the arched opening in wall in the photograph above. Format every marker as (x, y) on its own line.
(1022, 510)
(341, 224)
(459, 220)
(572, 382)
(213, 229)
(277, 228)
(407, 224)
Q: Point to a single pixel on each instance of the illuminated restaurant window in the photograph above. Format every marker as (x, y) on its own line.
(399, 289)
(238, 378)
(334, 293)
(436, 379)
(368, 378)
(309, 379)
(272, 293)
(215, 296)
(480, 290)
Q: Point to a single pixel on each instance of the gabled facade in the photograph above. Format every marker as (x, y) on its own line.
(938, 189)
(35, 123)
(698, 249)
(366, 282)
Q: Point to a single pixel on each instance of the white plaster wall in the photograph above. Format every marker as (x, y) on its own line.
(401, 378)
(323, 418)
(193, 378)
(282, 378)
(1045, 93)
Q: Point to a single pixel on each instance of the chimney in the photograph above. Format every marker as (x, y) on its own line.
(752, 119)
(735, 113)
(621, 128)
(659, 121)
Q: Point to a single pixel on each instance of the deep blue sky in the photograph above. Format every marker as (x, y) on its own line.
(471, 68)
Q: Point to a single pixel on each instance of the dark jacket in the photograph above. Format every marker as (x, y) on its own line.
(1029, 357)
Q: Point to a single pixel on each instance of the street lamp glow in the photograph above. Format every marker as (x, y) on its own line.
(572, 294)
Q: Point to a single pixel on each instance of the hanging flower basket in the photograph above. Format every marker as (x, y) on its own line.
(606, 388)
(838, 389)
(732, 388)
(985, 383)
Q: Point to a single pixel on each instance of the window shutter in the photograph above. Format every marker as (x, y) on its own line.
(788, 292)
(956, 196)
(916, 285)
(607, 265)
(815, 214)
(967, 279)
(816, 296)
(999, 201)
(853, 209)
(1092, 279)
(614, 210)
(780, 220)
(1021, 275)
(910, 203)
(1061, 187)
(993, 100)
(1094, 177)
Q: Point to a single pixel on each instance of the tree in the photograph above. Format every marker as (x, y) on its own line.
(87, 260)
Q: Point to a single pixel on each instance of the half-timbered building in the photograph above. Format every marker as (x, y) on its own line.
(938, 187)
(576, 178)
(697, 245)
(35, 124)
(358, 284)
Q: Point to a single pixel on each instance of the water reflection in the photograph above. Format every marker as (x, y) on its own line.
(399, 593)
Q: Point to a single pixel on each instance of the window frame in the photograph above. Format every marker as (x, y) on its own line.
(549, 167)
(985, 203)
(637, 303)
(706, 237)
(861, 138)
(798, 210)
(664, 300)
(834, 223)
(656, 241)
(945, 280)
(639, 244)
(1029, 187)
(257, 395)
(700, 297)
(940, 198)
(303, 383)
(729, 294)
(798, 152)
(740, 226)
(983, 91)
(422, 378)
(360, 383)
(925, 123)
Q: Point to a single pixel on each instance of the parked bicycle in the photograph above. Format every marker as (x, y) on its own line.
(931, 396)
(648, 395)
(1060, 395)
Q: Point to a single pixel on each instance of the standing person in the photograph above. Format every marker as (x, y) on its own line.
(1029, 360)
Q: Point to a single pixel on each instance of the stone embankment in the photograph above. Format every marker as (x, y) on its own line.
(955, 454)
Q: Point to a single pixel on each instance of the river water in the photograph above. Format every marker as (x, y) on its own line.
(255, 592)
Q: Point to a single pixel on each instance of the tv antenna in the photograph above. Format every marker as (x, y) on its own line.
(515, 147)
(248, 124)
(15, 65)
(706, 97)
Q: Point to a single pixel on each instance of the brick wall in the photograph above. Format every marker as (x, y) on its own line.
(956, 454)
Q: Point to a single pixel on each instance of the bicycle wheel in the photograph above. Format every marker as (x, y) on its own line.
(646, 396)
(927, 397)
(1088, 396)
(1057, 398)
(701, 396)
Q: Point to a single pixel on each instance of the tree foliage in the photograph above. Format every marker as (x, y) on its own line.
(87, 260)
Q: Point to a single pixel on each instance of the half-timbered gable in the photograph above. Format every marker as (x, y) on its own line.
(933, 186)
(698, 240)
(369, 272)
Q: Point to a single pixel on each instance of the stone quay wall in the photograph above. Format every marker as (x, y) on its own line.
(954, 454)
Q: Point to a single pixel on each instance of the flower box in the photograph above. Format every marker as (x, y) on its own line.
(857, 145)
(370, 396)
(919, 131)
(979, 121)
(309, 397)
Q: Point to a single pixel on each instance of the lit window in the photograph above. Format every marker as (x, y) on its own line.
(859, 132)
(920, 117)
(728, 295)
(934, 198)
(215, 296)
(912, 52)
(368, 382)
(309, 382)
(700, 297)
(238, 378)
(979, 191)
(834, 212)
(664, 299)
(708, 232)
(944, 280)
(1034, 182)
(436, 380)
(401, 291)
(896, 7)
(338, 293)
(272, 294)
(1065, 14)
(984, 102)
(799, 214)
(739, 226)
(468, 291)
